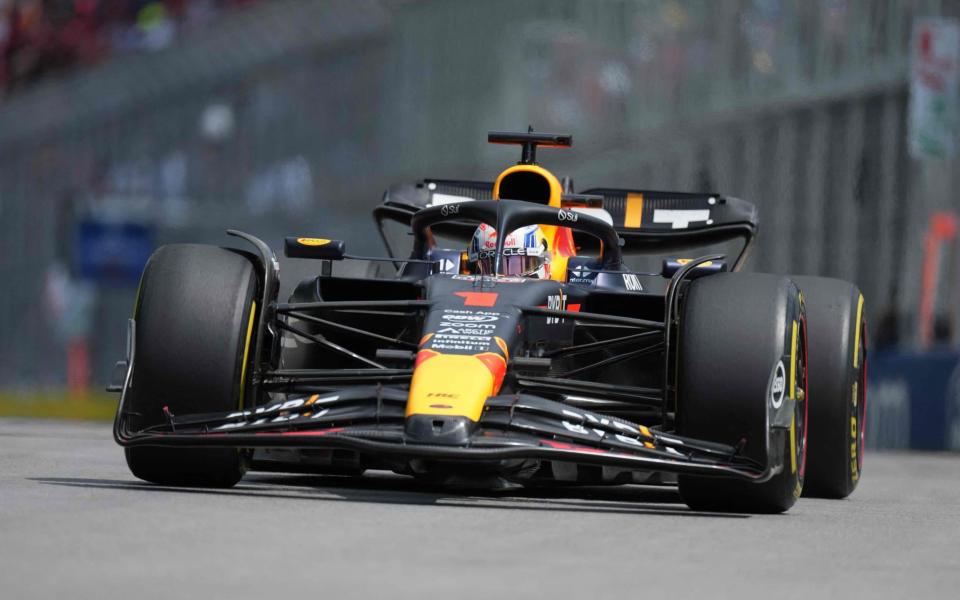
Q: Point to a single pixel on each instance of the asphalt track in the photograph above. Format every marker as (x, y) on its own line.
(75, 524)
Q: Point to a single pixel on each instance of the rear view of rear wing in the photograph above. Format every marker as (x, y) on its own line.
(648, 221)
(655, 221)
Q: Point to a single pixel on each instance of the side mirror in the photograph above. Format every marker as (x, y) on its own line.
(581, 201)
(708, 268)
(304, 247)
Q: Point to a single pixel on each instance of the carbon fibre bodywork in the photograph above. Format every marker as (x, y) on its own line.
(580, 372)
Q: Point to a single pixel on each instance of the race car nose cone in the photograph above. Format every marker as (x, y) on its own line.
(443, 430)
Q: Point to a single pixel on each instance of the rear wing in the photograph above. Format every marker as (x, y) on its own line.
(648, 221)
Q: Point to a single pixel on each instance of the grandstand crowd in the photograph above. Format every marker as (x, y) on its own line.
(40, 37)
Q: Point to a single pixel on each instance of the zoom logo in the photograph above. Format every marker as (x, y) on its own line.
(567, 215)
(471, 318)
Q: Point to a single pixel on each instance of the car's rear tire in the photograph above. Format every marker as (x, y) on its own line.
(194, 317)
(838, 385)
(736, 330)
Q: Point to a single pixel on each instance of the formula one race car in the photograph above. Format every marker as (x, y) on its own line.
(528, 354)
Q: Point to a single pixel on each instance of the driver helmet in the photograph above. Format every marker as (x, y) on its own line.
(525, 252)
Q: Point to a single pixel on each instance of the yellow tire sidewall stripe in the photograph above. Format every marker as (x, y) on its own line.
(856, 339)
(246, 352)
(793, 393)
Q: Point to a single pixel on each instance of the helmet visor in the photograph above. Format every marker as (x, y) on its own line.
(510, 265)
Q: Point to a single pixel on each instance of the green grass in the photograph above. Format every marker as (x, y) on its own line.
(59, 404)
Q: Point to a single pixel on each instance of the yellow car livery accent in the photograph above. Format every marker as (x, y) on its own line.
(312, 241)
(683, 261)
(453, 384)
(556, 190)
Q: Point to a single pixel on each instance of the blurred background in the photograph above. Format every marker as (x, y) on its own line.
(126, 124)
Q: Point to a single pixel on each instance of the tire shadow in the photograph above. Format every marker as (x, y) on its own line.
(395, 489)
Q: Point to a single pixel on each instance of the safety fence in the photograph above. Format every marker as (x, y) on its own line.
(293, 116)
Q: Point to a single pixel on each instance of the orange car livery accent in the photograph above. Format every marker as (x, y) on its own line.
(561, 249)
(634, 216)
(502, 345)
(424, 355)
(497, 365)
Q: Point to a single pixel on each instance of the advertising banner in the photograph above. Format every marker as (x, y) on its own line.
(913, 399)
(934, 96)
(115, 253)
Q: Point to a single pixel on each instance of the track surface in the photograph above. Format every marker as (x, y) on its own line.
(75, 524)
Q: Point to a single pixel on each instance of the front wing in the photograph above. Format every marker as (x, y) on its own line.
(370, 421)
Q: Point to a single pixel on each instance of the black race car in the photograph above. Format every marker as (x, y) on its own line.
(458, 369)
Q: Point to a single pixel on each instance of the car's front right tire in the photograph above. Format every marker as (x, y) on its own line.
(194, 314)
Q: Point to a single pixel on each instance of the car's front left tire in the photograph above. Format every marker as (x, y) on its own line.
(742, 350)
